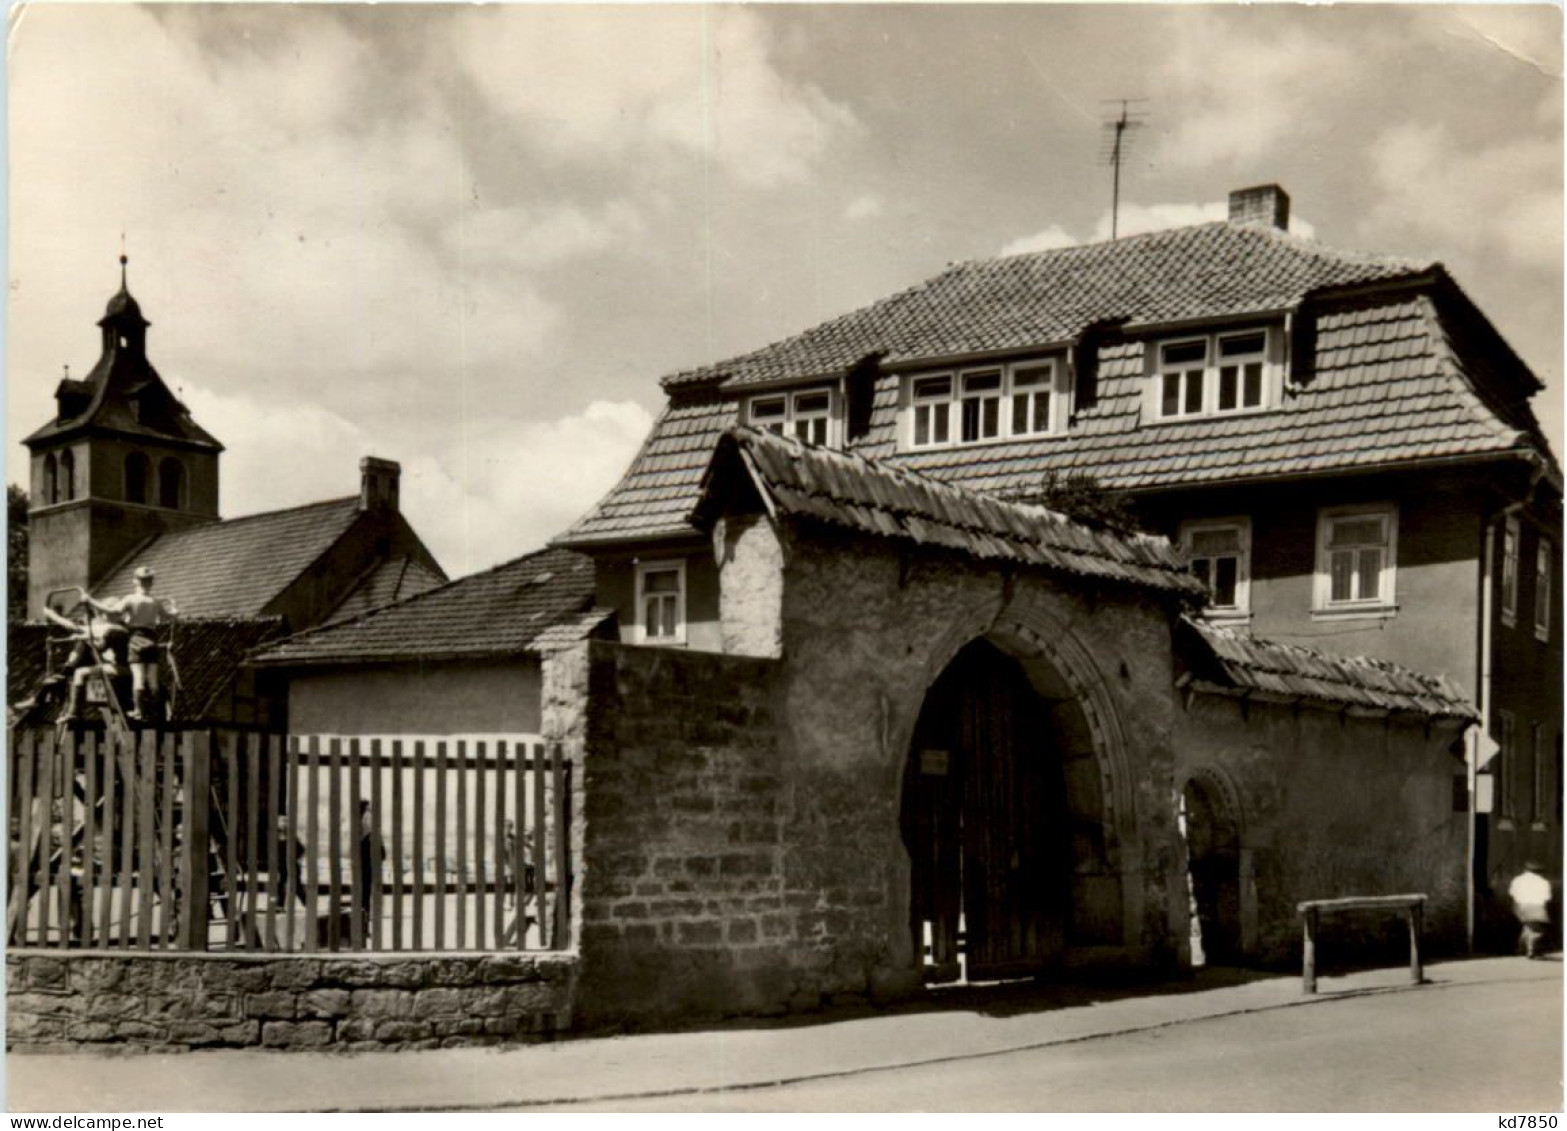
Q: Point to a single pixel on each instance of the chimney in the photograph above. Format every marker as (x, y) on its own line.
(378, 483)
(1268, 205)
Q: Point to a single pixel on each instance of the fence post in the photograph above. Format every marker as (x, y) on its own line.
(1416, 969)
(1309, 956)
(195, 846)
(562, 908)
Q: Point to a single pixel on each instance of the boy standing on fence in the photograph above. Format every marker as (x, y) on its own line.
(1531, 896)
(141, 613)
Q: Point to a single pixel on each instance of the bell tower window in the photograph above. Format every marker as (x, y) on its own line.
(137, 472)
(171, 483)
(51, 491)
(67, 480)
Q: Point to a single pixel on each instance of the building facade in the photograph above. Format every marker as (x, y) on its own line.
(1341, 443)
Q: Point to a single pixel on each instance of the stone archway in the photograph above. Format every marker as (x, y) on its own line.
(1219, 868)
(1012, 811)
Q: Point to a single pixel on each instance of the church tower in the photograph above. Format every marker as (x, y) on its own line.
(121, 461)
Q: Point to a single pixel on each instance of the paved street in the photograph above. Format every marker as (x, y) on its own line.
(1462, 1048)
(1481, 1035)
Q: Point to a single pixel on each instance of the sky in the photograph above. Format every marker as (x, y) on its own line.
(471, 239)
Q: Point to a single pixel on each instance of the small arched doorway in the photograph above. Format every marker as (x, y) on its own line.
(1002, 818)
(1213, 863)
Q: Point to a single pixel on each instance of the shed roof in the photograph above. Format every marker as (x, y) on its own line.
(540, 600)
(847, 490)
(1229, 661)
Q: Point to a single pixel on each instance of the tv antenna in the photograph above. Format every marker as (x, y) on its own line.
(1117, 140)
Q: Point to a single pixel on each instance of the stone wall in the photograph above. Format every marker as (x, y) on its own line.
(177, 1001)
(741, 846)
(1333, 804)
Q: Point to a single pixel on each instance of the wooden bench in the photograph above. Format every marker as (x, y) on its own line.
(1413, 907)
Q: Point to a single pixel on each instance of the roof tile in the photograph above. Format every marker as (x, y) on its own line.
(504, 611)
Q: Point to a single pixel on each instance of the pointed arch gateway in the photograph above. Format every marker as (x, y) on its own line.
(1013, 812)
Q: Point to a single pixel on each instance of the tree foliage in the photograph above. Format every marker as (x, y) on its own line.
(1081, 496)
(16, 554)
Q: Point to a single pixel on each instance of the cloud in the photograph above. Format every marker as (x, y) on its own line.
(492, 492)
(697, 81)
(1238, 84)
(863, 207)
(503, 491)
(1052, 237)
(1504, 197)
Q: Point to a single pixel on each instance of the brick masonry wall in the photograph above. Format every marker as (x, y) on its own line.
(1335, 805)
(164, 1002)
(681, 882)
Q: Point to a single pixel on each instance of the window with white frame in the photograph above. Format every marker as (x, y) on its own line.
(1219, 551)
(932, 411)
(1510, 572)
(1213, 374)
(805, 415)
(998, 402)
(1034, 391)
(1505, 762)
(1357, 552)
(770, 414)
(811, 414)
(1182, 369)
(980, 402)
(1543, 570)
(661, 602)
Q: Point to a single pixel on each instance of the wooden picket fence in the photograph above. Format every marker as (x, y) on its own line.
(232, 840)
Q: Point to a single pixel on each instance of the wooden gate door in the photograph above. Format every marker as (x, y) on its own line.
(984, 819)
(1014, 843)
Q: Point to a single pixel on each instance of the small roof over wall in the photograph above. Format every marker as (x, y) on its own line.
(847, 490)
(1229, 663)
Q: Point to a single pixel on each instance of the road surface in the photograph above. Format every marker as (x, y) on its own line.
(1491, 1048)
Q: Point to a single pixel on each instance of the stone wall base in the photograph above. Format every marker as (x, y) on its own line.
(173, 1002)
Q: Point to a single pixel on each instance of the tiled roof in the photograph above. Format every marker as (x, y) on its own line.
(1229, 661)
(388, 581)
(1208, 270)
(656, 495)
(847, 490)
(206, 655)
(541, 599)
(234, 568)
(1381, 383)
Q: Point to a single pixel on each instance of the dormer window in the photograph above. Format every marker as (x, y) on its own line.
(1215, 374)
(806, 415)
(993, 403)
